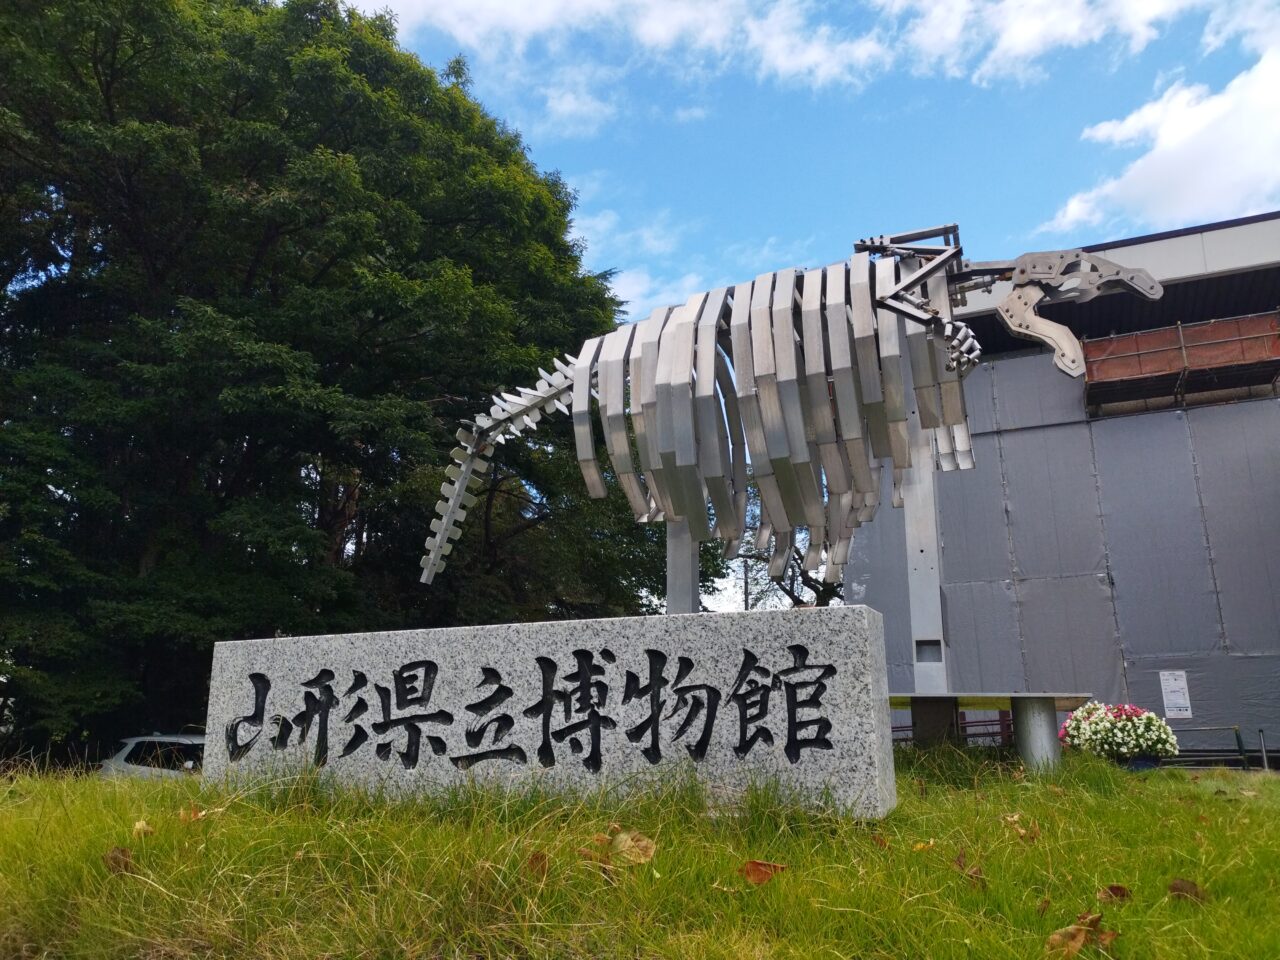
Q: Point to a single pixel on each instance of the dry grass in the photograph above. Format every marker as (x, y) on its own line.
(298, 870)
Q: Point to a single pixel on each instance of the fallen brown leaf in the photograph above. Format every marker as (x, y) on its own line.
(1042, 907)
(1187, 890)
(192, 815)
(1114, 892)
(880, 841)
(1028, 834)
(628, 846)
(922, 845)
(537, 863)
(921, 787)
(195, 813)
(1057, 790)
(143, 829)
(119, 860)
(600, 859)
(972, 873)
(1202, 818)
(1068, 941)
(760, 871)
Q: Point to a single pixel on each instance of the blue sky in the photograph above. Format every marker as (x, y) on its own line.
(712, 141)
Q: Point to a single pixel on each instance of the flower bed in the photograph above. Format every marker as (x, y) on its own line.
(1118, 731)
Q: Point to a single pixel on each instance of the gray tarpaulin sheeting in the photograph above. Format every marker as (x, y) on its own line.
(1070, 636)
(982, 632)
(1031, 392)
(980, 398)
(1163, 587)
(1090, 555)
(975, 540)
(1224, 691)
(1238, 461)
(1053, 501)
(878, 578)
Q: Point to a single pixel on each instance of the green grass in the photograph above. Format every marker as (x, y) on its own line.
(301, 870)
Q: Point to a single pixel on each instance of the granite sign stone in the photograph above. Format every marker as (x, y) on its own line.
(798, 696)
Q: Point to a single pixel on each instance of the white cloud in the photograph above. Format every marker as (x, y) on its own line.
(573, 104)
(755, 258)
(1192, 152)
(1206, 156)
(790, 40)
(484, 24)
(995, 39)
(590, 45)
(641, 291)
(1028, 29)
(690, 114)
(788, 45)
(941, 33)
(606, 236)
(588, 185)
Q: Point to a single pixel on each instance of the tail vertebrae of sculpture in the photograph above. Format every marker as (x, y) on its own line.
(798, 381)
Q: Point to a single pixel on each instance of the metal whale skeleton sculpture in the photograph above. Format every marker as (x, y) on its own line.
(796, 381)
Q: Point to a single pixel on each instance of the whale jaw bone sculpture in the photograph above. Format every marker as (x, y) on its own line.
(799, 373)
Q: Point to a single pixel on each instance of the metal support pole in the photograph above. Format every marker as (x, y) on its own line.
(1244, 757)
(924, 577)
(1035, 730)
(935, 720)
(1262, 745)
(682, 569)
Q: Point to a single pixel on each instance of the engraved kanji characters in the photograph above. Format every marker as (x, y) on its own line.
(750, 694)
(413, 685)
(317, 702)
(803, 686)
(573, 707)
(501, 725)
(586, 698)
(694, 699)
(359, 736)
(235, 748)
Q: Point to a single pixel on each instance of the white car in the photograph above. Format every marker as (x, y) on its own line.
(158, 755)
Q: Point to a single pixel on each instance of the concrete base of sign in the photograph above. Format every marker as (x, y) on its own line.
(799, 697)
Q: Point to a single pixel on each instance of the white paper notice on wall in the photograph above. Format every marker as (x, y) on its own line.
(1177, 699)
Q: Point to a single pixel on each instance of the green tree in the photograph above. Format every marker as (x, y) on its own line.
(256, 262)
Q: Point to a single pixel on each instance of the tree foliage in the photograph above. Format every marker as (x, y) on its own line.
(256, 262)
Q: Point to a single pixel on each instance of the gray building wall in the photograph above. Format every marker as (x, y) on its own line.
(1090, 555)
